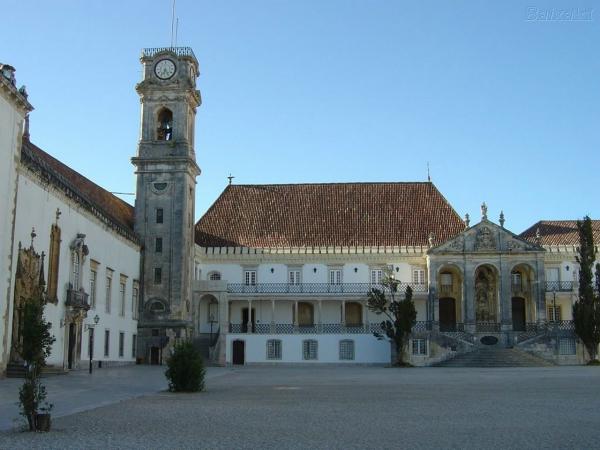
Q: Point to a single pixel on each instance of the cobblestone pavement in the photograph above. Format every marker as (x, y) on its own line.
(346, 408)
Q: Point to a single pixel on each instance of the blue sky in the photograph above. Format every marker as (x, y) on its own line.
(504, 109)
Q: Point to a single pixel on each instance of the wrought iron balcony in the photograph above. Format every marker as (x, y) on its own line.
(77, 299)
(559, 286)
(317, 288)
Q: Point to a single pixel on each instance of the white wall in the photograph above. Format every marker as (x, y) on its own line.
(11, 122)
(36, 208)
(367, 349)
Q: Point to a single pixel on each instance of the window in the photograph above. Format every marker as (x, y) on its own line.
(214, 276)
(157, 275)
(347, 350)
(250, 277)
(554, 314)
(121, 344)
(418, 276)
(135, 298)
(159, 215)
(309, 349)
(134, 346)
(122, 297)
(516, 279)
(335, 276)
(108, 296)
(75, 263)
(273, 349)
(446, 280)
(106, 343)
(294, 277)
(158, 245)
(567, 346)
(93, 278)
(376, 276)
(419, 347)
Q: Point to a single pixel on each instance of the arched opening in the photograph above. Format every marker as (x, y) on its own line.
(486, 298)
(522, 280)
(306, 314)
(164, 130)
(450, 286)
(353, 314)
(207, 315)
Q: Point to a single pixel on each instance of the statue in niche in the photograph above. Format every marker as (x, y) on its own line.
(485, 239)
(485, 297)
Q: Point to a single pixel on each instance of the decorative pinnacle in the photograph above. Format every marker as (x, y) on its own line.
(230, 178)
(483, 211)
(538, 236)
(467, 220)
(502, 219)
(58, 213)
(431, 239)
(33, 235)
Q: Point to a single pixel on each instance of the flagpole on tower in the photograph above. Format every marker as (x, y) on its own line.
(172, 23)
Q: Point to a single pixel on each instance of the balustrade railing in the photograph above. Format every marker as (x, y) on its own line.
(318, 288)
(487, 327)
(559, 286)
(179, 51)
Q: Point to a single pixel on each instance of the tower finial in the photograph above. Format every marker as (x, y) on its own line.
(502, 219)
(230, 178)
(428, 174)
(483, 211)
(33, 235)
(467, 220)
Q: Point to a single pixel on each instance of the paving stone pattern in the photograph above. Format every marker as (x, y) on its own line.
(346, 408)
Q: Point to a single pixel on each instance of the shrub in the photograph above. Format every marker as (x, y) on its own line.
(185, 369)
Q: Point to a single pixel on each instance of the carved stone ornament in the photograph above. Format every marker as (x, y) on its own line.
(457, 244)
(514, 245)
(485, 239)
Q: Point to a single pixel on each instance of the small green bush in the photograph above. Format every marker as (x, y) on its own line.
(185, 370)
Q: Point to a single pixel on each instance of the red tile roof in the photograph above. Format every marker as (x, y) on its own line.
(334, 214)
(93, 196)
(559, 232)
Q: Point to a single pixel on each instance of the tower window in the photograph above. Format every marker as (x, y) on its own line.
(159, 215)
(157, 275)
(158, 245)
(164, 131)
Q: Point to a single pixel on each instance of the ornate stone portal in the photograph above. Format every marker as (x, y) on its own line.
(29, 287)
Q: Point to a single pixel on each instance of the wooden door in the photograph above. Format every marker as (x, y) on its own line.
(353, 314)
(154, 356)
(518, 314)
(238, 352)
(245, 319)
(447, 314)
(305, 314)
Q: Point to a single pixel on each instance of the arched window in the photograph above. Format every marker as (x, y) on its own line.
(164, 131)
(214, 276)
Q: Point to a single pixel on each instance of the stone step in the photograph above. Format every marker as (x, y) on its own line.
(495, 357)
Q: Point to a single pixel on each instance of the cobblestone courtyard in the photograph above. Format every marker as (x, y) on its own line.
(337, 407)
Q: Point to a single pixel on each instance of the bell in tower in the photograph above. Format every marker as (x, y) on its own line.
(166, 172)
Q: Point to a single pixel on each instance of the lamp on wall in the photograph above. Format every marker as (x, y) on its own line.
(397, 269)
(272, 270)
(355, 269)
(314, 269)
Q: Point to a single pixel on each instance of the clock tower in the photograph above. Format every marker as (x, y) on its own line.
(166, 172)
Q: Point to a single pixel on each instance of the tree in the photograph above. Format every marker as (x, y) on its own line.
(401, 315)
(35, 348)
(586, 311)
(185, 368)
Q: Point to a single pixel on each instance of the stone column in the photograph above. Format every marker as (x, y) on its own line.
(320, 325)
(249, 330)
(505, 298)
(365, 314)
(296, 313)
(343, 313)
(540, 298)
(469, 298)
(273, 316)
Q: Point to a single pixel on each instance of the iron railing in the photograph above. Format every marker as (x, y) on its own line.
(77, 299)
(317, 288)
(179, 51)
(559, 286)
(487, 327)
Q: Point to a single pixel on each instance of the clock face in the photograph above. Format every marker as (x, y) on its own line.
(164, 69)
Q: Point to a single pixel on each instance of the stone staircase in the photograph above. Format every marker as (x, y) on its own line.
(493, 356)
(18, 371)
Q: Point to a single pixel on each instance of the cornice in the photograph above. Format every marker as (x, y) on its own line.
(13, 94)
